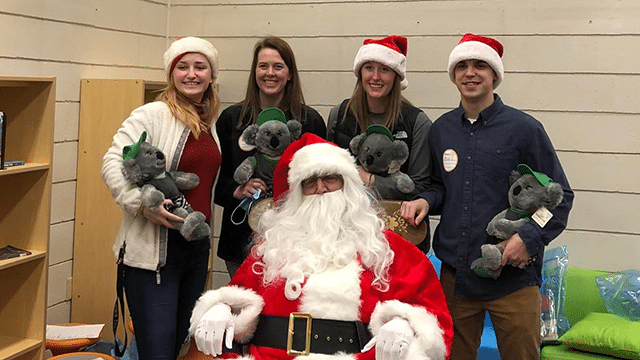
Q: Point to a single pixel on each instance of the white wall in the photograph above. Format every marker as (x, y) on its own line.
(71, 40)
(571, 64)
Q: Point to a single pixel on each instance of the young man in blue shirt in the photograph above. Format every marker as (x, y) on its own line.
(474, 148)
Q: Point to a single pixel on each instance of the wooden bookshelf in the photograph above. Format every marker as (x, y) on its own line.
(22, 259)
(25, 216)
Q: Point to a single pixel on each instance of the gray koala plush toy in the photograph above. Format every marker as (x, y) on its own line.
(530, 191)
(379, 153)
(270, 136)
(144, 165)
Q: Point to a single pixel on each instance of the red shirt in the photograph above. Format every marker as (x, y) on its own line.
(201, 157)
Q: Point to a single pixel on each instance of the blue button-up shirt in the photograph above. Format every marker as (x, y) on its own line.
(470, 184)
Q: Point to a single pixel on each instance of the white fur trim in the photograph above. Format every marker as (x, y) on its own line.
(245, 304)
(479, 51)
(429, 337)
(192, 44)
(333, 293)
(382, 54)
(321, 158)
(404, 83)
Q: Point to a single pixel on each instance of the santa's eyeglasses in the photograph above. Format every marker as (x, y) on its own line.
(327, 180)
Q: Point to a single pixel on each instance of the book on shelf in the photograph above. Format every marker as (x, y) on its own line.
(4, 163)
(10, 252)
(10, 163)
(3, 136)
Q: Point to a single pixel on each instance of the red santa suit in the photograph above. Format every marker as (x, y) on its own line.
(345, 294)
(338, 296)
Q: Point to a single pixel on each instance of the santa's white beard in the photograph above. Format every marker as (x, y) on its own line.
(318, 232)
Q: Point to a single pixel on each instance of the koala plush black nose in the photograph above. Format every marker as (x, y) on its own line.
(370, 160)
(159, 155)
(516, 190)
(274, 142)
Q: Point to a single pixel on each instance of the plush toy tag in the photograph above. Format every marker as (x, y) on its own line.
(542, 216)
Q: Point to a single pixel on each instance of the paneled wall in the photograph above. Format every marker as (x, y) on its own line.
(571, 64)
(72, 40)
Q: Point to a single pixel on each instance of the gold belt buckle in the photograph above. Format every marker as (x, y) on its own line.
(307, 344)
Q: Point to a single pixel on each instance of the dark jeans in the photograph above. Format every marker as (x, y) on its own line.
(161, 312)
(232, 267)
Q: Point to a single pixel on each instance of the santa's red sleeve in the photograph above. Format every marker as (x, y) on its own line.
(415, 294)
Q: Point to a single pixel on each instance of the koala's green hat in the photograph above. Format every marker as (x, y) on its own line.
(379, 129)
(270, 115)
(130, 152)
(542, 178)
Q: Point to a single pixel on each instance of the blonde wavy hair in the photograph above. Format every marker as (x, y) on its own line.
(185, 111)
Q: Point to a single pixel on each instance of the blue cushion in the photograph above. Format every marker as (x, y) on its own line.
(435, 261)
(488, 342)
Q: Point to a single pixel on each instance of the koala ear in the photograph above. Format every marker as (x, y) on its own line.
(513, 177)
(131, 171)
(356, 143)
(553, 196)
(295, 128)
(399, 154)
(249, 134)
(400, 151)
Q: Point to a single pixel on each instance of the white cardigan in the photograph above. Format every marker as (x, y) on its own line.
(146, 242)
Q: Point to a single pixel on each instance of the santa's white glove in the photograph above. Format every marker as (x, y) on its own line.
(393, 340)
(212, 327)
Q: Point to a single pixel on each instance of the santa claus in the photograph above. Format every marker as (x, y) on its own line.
(325, 280)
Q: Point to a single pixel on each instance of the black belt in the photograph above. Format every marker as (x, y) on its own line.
(300, 334)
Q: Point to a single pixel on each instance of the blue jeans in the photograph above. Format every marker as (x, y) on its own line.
(161, 312)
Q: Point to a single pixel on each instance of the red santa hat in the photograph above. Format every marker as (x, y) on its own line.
(308, 156)
(390, 51)
(186, 45)
(478, 48)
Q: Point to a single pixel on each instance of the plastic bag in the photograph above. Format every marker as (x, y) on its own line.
(621, 293)
(553, 322)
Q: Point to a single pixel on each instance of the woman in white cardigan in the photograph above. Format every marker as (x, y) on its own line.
(162, 273)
